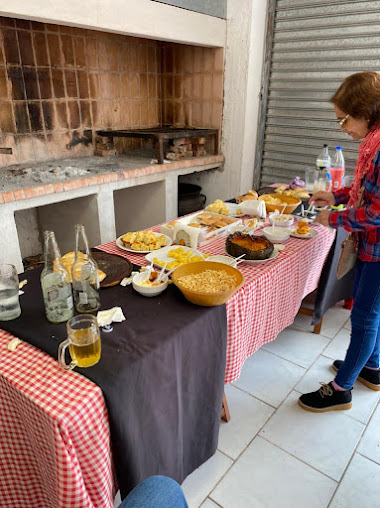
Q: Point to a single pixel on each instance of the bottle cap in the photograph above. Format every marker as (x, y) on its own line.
(324, 146)
(339, 148)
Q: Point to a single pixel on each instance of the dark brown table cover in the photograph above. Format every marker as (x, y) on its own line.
(331, 290)
(161, 373)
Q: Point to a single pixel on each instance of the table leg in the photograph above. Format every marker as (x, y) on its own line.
(309, 312)
(317, 327)
(225, 411)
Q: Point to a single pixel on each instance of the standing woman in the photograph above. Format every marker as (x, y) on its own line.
(357, 107)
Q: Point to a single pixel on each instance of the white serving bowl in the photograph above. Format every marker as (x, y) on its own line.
(222, 259)
(282, 221)
(148, 290)
(276, 234)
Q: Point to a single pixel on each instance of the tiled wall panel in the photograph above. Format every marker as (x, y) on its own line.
(192, 85)
(59, 84)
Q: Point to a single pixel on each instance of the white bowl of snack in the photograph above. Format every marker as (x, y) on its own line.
(281, 220)
(148, 286)
(276, 234)
(227, 260)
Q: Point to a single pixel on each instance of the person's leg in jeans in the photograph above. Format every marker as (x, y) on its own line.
(364, 346)
(156, 492)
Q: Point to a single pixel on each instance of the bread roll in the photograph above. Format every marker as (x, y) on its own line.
(68, 260)
(251, 194)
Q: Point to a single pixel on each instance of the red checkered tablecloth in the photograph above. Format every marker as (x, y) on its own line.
(271, 294)
(55, 447)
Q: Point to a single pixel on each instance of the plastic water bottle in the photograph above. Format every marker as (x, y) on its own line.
(337, 169)
(324, 160)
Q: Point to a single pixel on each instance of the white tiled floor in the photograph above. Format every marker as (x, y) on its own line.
(272, 453)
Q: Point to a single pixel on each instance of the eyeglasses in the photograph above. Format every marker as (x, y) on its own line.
(342, 121)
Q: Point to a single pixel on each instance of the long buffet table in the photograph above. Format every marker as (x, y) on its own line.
(271, 295)
(154, 399)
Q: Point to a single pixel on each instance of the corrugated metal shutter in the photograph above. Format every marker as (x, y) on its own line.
(316, 44)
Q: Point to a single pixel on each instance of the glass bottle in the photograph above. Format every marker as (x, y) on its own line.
(323, 164)
(55, 283)
(324, 160)
(85, 275)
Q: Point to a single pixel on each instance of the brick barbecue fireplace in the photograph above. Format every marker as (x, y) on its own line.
(62, 89)
(68, 70)
(59, 84)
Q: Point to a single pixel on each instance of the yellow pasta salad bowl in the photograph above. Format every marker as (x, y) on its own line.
(284, 204)
(207, 283)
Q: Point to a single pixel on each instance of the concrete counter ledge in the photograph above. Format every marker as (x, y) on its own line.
(109, 195)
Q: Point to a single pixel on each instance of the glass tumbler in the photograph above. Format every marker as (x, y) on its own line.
(321, 182)
(311, 174)
(9, 300)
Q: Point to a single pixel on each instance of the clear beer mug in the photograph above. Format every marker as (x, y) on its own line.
(83, 341)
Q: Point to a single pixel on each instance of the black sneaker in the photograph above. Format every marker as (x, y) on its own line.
(370, 378)
(326, 399)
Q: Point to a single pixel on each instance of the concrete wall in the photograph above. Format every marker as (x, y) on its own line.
(217, 8)
(143, 18)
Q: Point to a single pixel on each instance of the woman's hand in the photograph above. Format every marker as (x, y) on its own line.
(323, 218)
(322, 198)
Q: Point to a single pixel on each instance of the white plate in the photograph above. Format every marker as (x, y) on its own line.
(162, 254)
(120, 244)
(311, 234)
(258, 261)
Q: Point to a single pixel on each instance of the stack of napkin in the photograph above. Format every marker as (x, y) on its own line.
(106, 317)
(253, 207)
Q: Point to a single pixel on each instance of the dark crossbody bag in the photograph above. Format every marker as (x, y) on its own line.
(349, 251)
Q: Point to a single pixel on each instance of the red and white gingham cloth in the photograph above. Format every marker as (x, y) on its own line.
(55, 449)
(271, 295)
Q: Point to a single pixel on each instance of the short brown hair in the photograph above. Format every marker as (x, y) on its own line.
(359, 96)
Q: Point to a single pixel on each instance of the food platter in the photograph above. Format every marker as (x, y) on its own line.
(258, 261)
(162, 254)
(121, 246)
(271, 190)
(311, 234)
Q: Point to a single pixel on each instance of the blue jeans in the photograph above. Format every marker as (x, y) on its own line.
(156, 492)
(364, 348)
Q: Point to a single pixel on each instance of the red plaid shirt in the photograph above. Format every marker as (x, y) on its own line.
(366, 219)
